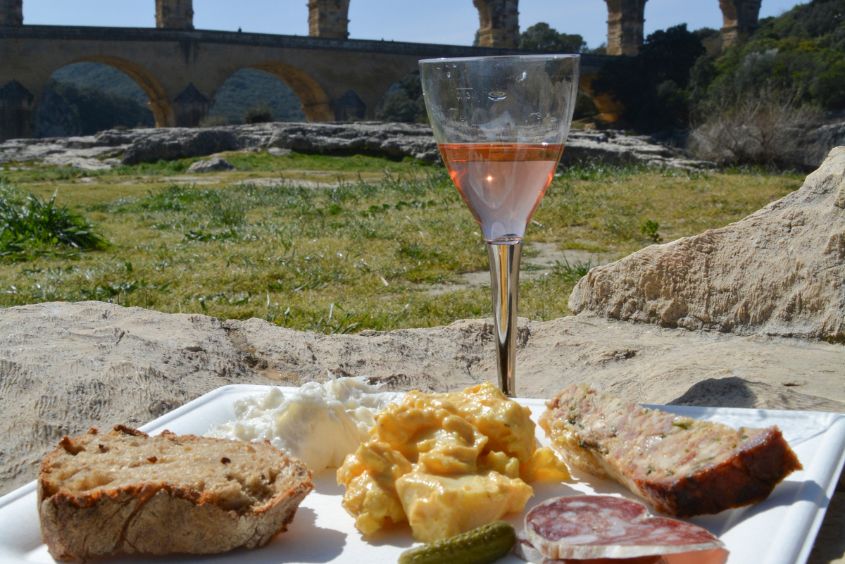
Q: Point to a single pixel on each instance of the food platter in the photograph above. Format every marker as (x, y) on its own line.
(779, 530)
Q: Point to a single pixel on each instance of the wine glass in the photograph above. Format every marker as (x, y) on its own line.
(500, 124)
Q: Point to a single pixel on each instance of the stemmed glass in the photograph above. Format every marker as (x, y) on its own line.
(500, 124)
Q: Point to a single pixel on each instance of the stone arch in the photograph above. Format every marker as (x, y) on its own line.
(159, 103)
(316, 104)
(247, 92)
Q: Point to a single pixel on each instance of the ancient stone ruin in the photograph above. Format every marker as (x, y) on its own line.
(174, 14)
(328, 18)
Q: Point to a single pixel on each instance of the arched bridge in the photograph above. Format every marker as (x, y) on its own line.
(336, 78)
(180, 70)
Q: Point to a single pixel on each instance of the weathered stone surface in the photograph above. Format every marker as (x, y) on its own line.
(739, 19)
(779, 271)
(394, 140)
(816, 143)
(174, 14)
(67, 366)
(178, 143)
(11, 12)
(211, 165)
(328, 18)
(625, 20)
(498, 23)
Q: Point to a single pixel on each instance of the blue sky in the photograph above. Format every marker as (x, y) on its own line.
(432, 21)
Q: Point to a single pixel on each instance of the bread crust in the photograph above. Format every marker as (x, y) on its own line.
(158, 517)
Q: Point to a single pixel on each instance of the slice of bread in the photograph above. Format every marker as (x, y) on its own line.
(125, 492)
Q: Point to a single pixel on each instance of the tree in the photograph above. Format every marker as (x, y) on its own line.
(403, 101)
(542, 37)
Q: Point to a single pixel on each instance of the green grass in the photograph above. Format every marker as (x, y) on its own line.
(363, 254)
(30, 226)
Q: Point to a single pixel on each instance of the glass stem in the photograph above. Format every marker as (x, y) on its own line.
(504, 283)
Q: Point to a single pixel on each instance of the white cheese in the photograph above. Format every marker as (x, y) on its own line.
(318, 423)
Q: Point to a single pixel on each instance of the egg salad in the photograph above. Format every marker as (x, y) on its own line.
(445, 463)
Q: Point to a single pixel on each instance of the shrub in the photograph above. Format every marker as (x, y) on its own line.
(755, 102)
(764, 129)
(801, 54)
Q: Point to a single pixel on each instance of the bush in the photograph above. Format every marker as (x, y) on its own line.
(801, 54)
(764, 129)
(756, 102)
(30, 226)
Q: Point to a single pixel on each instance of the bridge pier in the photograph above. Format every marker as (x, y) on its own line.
(350, 107)
(189, 107)
(739, 19)
(174, 14)
(17, 114)
(328, 18)
(625, 19)
(11, 13)
(498, 23)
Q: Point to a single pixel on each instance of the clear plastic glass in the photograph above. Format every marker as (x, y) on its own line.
(501, 124)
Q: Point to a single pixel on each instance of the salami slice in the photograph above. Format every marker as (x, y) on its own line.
(598, 526)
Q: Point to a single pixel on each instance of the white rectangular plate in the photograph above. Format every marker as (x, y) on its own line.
(779, 530)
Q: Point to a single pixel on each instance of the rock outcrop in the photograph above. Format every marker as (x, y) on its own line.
(211, 165)
(779, 271)
(392, 140)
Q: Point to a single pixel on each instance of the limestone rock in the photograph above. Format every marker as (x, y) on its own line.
(816, 143)
(211, 165)
(178, 143)
(779, 271)
(393, 140)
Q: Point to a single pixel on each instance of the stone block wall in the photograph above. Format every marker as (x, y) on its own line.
(174, 14)
(328, 18)
(11, 12)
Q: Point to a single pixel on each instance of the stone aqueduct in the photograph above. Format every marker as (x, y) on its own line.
(336, 78)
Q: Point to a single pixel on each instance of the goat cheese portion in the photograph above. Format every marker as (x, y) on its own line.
(318, 423)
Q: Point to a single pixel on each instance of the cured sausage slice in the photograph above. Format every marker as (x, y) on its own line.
(596, 526)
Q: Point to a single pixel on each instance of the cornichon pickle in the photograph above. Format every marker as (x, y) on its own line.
(478, 546)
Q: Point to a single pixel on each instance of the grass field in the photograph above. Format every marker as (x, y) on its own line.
(339, 244)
